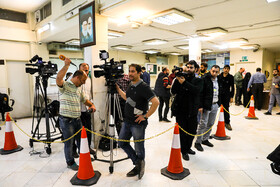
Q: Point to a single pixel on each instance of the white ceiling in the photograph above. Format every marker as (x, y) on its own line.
(255, 20)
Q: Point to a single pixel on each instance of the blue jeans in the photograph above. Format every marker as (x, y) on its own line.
(69, 127)
(207, 120)
(272, 99)
(137, 132)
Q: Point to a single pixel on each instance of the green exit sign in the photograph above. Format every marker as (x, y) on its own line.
(244, 58)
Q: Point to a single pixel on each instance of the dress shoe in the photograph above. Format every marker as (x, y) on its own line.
(75, 154)
(141, 166)
(166, 120)
(198, 147)
(206, 142)
(74, 167)
(267, 113)
(278, 113)
(186, 157)
(133, 172)
(160, 119)
(191, 152)
(93, 153)
(228, 126)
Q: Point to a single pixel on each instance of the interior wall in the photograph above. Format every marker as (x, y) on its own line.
(268, 65)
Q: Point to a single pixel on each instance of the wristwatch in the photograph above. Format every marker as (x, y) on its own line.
(145, 117)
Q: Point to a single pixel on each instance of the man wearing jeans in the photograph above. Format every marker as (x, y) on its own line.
(136, 115)
(210, 99)
(70, 109)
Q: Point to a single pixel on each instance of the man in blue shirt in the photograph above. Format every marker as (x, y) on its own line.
(145, 76)
(257, 81)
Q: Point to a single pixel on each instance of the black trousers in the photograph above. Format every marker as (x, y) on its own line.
(162, 101)
(86, 122)
(225, 99)
(257, 91)
(238, 95)
(189, 125)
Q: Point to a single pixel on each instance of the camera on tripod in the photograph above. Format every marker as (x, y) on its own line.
(111, 70)
(179, 72)
(41, 67)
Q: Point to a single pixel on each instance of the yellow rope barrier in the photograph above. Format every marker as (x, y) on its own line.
(238, 113)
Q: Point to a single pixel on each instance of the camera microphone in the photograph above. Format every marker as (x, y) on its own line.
(62, 57)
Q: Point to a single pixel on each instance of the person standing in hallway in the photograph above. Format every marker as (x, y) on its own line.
(185, 106)
(238, 80)
(226, 92)
(274, 92)
(162, 90)
(246, 95)
(203, 69)
(257, 81)
(146, 76)
(136, 114)
(210, 102)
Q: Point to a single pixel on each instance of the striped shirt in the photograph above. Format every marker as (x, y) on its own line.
(70, 99)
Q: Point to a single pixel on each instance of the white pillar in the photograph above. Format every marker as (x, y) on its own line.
(195, 50)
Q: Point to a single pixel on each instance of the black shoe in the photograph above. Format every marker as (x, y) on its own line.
(75, 155)
(91, 159)
(160, 119)
(166, 120)
(191, 152)
(93, 153)
(278, 113)
(133, 172)
(186, 157)
(141, 166)
(198, 147)
(228, 126)
(74, 167)
(206, 142)
(267, 113)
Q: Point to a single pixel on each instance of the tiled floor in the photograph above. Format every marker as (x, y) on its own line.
(240, 161)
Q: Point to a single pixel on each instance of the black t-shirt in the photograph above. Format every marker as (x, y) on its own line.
(137, 101)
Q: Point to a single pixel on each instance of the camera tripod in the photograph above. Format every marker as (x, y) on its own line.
(48, 135)
(110, 123)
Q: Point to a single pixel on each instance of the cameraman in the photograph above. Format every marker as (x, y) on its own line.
(185, 105)
(136, 115)
(70, 109)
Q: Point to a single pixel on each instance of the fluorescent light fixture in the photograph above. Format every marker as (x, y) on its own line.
(235, 43)
(44, 28)
(270, 1)
(183, 47)
(250, 46)
(207, 50)
(73, 42)
(154, 42)
(114, 34)
(122, 47)
(171, 17)
(151, 51)
(174, 53)
(212, 32)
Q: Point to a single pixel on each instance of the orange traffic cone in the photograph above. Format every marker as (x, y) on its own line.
(85, 175)
(10, 145)
(175, 169)
(251, 113)
(221, 132)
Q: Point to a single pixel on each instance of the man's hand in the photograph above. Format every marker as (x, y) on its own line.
(248, 89)
(67, 61)
(276, 86)
(200, 110)
(181, 79)
(231, 100)
(168, 86)
(140, 118)
(92, 108)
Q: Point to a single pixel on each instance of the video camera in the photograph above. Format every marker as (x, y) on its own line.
(179, 72)
(111, 70)
(41, 67)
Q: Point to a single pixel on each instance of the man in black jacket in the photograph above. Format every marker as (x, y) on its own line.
(210, 102)
(187, 89)
(227, 93)
(162, 90)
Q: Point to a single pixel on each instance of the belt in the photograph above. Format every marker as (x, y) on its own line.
(69, 117)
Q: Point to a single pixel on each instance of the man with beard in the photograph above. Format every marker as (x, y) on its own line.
(210, 101)
(136, 114)
(238, 81)
(203, 69)
(187, 89)
(70, 109)
(274, 92)
(227, 92)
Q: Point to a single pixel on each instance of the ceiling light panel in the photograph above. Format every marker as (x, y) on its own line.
(174, 53)
(212, 32)
(183, 47)
(151, 51)
(122, 47)
(114, 34)
(271, 1)
(73, 42)
(154, 42)
(171, 17)
(250, 46)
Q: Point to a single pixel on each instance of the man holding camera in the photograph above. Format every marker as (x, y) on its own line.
(136, 113)
(209, 101)
(185, 106)
(70, 109)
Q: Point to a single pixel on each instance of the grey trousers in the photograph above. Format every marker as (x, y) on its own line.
(207, 120)
(272, 100)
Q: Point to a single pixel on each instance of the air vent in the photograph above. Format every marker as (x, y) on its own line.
(12, 15)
